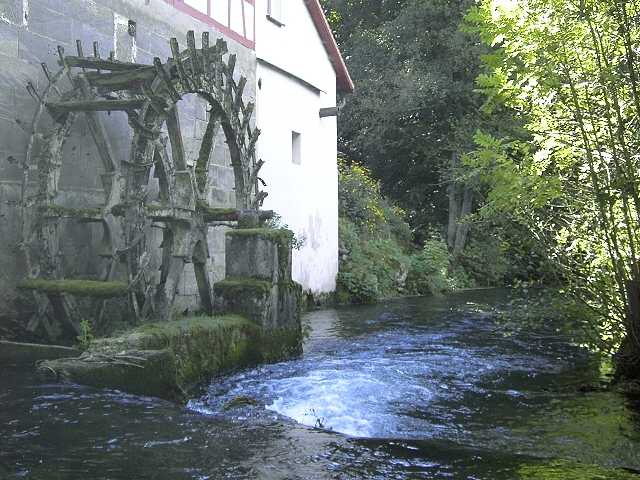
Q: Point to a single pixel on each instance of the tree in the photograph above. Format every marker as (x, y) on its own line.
(414, 71)
(569, 72)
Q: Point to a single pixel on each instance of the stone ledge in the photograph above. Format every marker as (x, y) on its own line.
(170, 359)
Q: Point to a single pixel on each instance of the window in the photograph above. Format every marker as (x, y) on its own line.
(234, 18)
(200, 5)
(275, 12)
(296, 148)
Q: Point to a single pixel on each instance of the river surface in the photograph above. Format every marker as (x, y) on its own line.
(410, 389)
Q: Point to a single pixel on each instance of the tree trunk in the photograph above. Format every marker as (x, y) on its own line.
(452, 190)
(462, 230)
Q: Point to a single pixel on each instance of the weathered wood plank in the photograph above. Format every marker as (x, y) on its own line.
(175, 138)
(328, 112)
(95, 105)
(125, 80)
(100, 64)
(98, 132)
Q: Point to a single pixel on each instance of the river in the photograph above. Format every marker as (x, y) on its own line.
(424, 388)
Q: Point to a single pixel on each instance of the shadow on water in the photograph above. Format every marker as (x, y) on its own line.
(416, 388)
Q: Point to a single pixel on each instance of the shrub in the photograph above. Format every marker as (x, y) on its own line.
(428, 270)
(370, 269)
(362, 202)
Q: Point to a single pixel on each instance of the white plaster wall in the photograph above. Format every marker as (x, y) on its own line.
(305, 195)
(295, 47)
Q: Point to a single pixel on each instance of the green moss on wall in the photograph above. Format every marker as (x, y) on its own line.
(79, 288)
(243, 286)
(60, 211)
(279, 235)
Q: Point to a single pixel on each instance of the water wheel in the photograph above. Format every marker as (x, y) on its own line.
(148, 95)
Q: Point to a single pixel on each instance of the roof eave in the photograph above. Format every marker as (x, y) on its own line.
(344, 83)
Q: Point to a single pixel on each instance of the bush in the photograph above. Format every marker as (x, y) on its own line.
(428, 270)
(362, 202)
(485, 261)
(370, 269)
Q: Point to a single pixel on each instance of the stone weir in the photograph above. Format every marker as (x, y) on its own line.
(257, 320)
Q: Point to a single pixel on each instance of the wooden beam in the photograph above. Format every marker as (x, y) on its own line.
(175, 137)
(100, 64)
(95, 105)
(98, 132)
(329, 112)
(121, 80)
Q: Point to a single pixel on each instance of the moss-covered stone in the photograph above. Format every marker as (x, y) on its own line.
(211, 214)
(170, 359)
(240, 286)
(58, 211)
(280, 235)
(79, 288)
(239, 402)
(278, 344)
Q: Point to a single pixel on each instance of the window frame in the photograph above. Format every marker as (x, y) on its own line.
(225, 29)
(296, 148)
(278, 20)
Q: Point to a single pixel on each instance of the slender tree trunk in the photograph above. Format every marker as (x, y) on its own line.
(463, 227)
(453, 203)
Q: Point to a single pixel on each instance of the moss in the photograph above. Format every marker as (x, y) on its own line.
(167, 359)
(170, 359)
(278, 344)
(239, 402)
(564, 470)
(60, 211)
(79, 288)
(279, 235)
(211, 214)
(240, 286)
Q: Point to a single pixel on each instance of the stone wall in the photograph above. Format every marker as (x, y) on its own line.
(30, 31)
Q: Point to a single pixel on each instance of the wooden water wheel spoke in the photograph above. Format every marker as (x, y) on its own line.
(98, 132)
(207, 145)
(175, 138)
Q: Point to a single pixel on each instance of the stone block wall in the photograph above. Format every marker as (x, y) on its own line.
(30, 31)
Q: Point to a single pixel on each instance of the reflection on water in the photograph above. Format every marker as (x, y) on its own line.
(418, 388)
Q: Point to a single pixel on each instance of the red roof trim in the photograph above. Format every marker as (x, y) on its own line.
(343, 79)
(224, 29)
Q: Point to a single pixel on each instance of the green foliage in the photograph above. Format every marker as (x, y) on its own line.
(531, 310)
(373, 239)
(485, 261)
(86, 337)
(415, 71)
(428, 271)
(371, 269)
(362, 202)
(568, 73)
(276, 222)
(564, 470)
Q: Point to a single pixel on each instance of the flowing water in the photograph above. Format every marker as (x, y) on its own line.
(410, 389)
